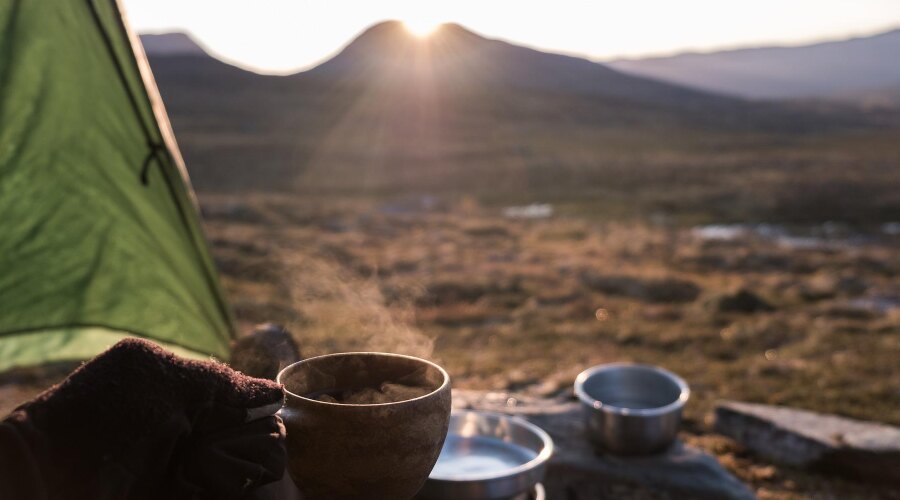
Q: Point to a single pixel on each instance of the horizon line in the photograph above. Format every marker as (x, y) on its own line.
(601, 60)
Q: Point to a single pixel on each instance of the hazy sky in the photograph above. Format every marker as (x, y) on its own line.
(287, 35)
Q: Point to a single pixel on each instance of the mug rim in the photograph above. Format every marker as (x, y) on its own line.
(444, 384)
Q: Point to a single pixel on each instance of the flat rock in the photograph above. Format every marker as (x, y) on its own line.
(576, 472)
(665, 290)
(853, 448)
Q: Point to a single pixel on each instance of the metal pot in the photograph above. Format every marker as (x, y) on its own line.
(631, 409)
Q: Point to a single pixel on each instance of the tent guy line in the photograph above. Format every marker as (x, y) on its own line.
(153, 144)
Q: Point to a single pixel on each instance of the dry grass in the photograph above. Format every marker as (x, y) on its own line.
(526, 305)
(495, 295)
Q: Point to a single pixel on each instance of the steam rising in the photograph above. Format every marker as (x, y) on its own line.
(343, 311)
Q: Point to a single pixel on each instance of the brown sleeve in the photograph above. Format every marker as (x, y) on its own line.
(20, 468)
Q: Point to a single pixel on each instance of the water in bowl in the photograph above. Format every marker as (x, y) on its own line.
(477, 456)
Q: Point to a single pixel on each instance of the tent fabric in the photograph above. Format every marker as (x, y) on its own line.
(100, 237)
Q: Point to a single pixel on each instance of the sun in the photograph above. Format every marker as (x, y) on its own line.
(421, 26)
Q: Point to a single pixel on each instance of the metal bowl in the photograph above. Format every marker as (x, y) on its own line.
(631, 409)
(488, 456)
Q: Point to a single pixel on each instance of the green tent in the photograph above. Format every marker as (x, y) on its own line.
(100, 237)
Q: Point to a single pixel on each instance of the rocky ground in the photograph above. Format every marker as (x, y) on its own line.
(527, 304)
(707, 465)
(810, 321)
(517, 304)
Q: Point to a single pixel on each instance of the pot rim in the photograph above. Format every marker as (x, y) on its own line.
(587, 399)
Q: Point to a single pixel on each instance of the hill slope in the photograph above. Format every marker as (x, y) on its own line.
(820, 70)
(456, 57)
(170, 44)
(882, 98)
(461, 114)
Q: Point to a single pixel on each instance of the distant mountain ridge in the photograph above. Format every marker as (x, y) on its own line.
(821, 70)
(454, 61)
(852, 70)
(455, 56)
(458, 112)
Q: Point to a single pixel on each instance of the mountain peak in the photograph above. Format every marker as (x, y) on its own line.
(392, 53)
(392, 34)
